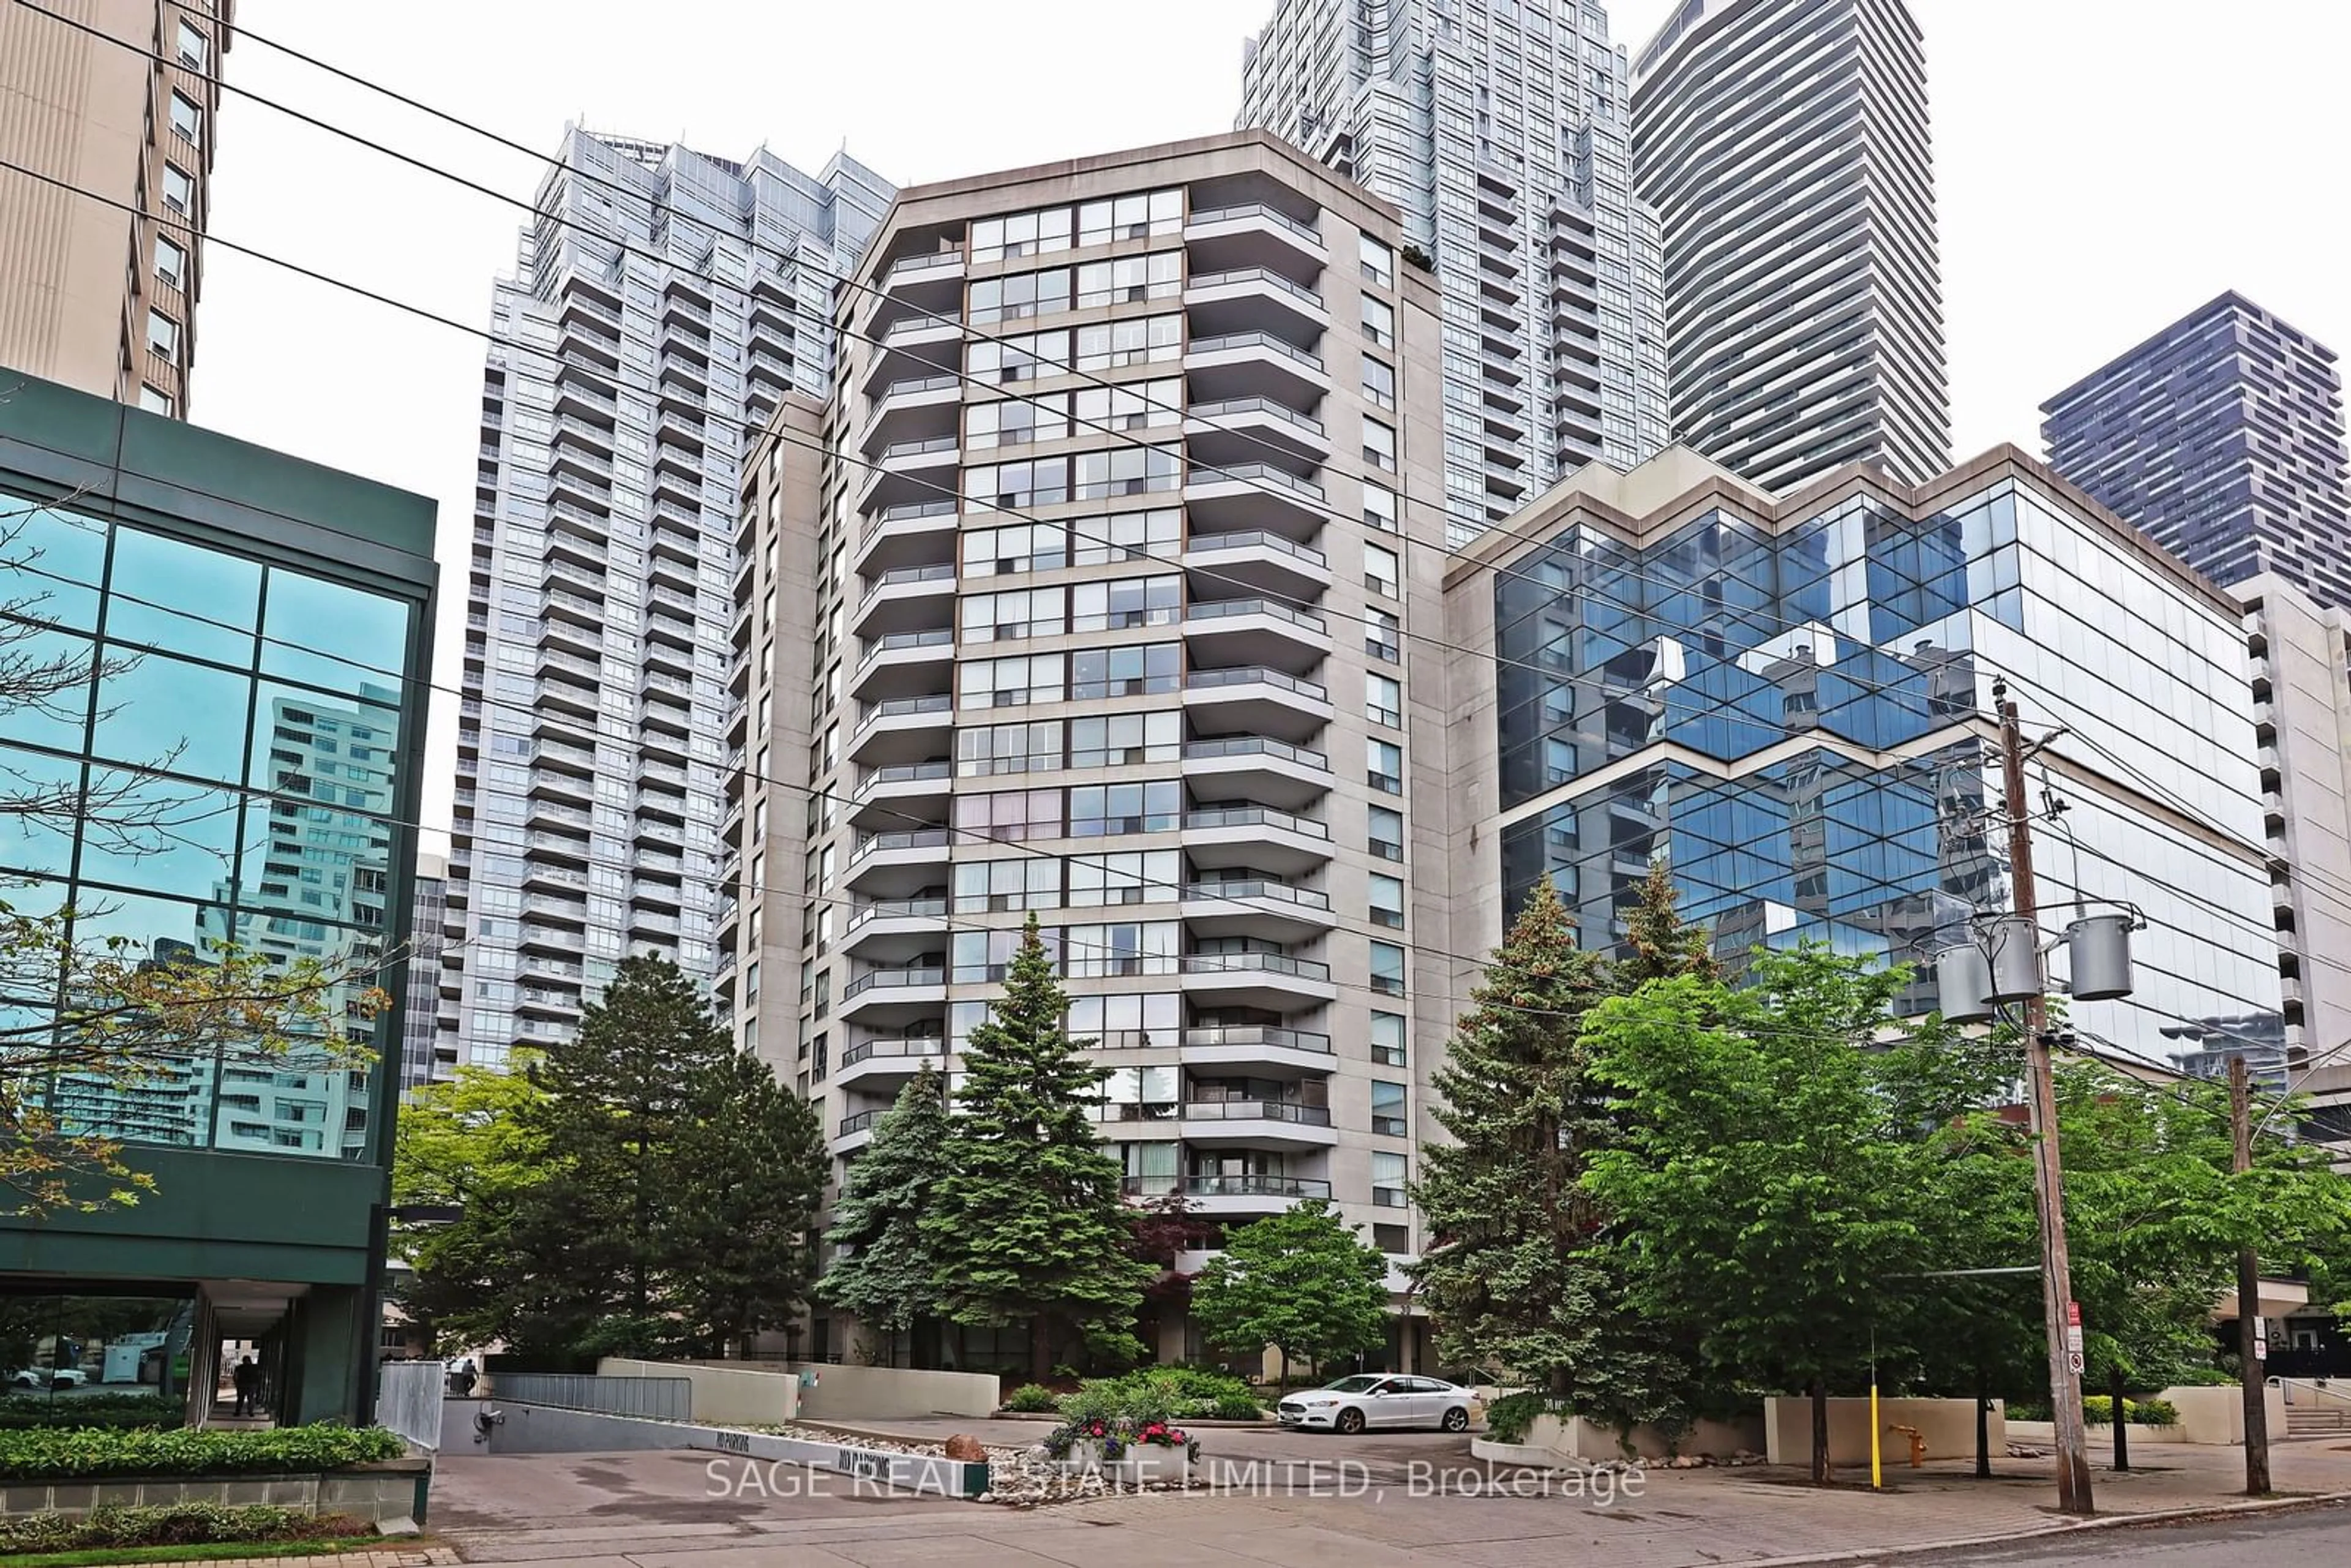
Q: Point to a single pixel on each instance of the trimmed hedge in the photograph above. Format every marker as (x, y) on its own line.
(170, 1524)
(61, 1453)
(120, 1411)
(1032, 1398)
(2098, 1410)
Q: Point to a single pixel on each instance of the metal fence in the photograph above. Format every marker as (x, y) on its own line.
(657, 1398)
(408, 1400)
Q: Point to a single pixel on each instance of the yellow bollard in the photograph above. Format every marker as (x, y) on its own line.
(1875, 1442)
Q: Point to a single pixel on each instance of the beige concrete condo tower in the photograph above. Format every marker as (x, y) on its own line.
(1089, 600)
(99, 290)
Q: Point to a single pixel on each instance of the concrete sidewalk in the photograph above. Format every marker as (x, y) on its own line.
(659, 1510)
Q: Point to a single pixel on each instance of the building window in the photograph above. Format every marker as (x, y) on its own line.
(171, 262)
(1380, 573)
(153, 400)
(179, 191)
(1388, 1178)
(1379, 382)
(1385, 901)
(1387, 1110)
(1395, 1240)
(1383, 700)
(187, 121)
(1384, 832)
(1383, 765)
(1379, 508)
(163, 334)
(1388, 968)
(1380, 445)
(1382, 635)
(1379, 322)
(1387, 1038)
(194, 49)
(1379, 261)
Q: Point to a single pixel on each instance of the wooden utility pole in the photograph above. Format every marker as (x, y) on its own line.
(2253, 1348)
(2062, 1318)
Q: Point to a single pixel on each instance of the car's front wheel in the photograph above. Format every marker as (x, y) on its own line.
(1349, 1423)
(1457, 1419)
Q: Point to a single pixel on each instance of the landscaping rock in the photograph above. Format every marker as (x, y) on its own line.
(961, 1446)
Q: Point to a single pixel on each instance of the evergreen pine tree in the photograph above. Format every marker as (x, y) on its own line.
(1029, 1225)
(1511, 1279)
(751, 1166)
(1662, 944)
(619, 1098)
(884, 1270)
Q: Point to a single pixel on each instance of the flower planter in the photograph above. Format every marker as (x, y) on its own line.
(1138, 1463)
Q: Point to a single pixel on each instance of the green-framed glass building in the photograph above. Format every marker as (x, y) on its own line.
(253, 636)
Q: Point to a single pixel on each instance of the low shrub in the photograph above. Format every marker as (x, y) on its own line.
(1509, 1417)
(1030, 1398)
(1164, 1394)
(2098, 1410)
(67, 1453)
(1241, 1406)
(169, 1525)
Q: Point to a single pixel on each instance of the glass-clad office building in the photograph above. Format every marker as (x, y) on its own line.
(1792, 703)
(210, 743)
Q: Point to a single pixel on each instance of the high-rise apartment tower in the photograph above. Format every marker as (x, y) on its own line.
(1500, 130)
(666, 303)
(2222, 437)
(1785, 146)
(1096, 611)
(99, 291)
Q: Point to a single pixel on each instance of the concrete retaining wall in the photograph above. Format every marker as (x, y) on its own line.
(2216, 1414)
(538, 1429)
(1949, 1426)
(893, 1394)
(2045, 1433)
(725, 1393)
(380, 1492)
(1553, 1439)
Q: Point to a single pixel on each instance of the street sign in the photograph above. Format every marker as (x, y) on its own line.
(2073, 1314)
(2073, 1362)
(2261, 1338)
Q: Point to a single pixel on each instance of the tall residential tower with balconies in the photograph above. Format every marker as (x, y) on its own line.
(120, 101)
(664, 305)
(1095, 610)
(1784, 147)
(1500, 130)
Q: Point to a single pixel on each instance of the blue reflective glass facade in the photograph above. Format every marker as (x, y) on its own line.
(1794, 711)
(216, 752)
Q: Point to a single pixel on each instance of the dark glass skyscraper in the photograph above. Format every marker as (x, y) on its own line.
(2221, 437)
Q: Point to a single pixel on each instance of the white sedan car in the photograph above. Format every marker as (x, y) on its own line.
(44, 1378)
(1378, 1399)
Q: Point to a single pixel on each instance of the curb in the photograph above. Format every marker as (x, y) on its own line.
(1204, 1422)
(2065, 1527)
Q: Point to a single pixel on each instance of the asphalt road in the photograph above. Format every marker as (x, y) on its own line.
(2315, 1537)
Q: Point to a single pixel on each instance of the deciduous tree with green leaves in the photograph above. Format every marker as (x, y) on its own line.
(885, 1270)
(1301, 1281)
(1512, 1278)
(1028, 1225)
(1760, 1186)
(473, 1144)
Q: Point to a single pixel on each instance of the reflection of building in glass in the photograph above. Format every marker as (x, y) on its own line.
(237, 770)
(1785, 699)
(421, 1035)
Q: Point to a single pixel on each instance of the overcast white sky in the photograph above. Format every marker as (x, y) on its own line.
(2102, 167)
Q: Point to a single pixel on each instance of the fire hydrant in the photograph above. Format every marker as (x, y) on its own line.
(1917, 1444)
